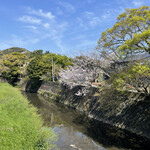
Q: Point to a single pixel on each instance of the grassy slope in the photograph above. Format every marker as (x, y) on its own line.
(20, 126)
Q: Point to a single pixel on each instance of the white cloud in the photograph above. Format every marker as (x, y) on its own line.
(111, 14)
(88, 13)
(89, 19)
(31, 27)
(55, 32)
(59, 11)
(40, 12)
(67, 6)
(86, 44)
(46, 25)
(30, 19)
(106, 15)
(138, 3)
(94, 21)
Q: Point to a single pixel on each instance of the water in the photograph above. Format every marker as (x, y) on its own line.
(77, 132)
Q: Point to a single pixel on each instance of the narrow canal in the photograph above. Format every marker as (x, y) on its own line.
(77, 132)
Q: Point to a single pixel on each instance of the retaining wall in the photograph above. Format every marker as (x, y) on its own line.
(130, 111)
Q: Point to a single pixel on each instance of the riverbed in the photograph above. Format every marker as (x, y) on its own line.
(76, 132)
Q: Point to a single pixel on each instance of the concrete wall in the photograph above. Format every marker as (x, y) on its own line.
(130, 111)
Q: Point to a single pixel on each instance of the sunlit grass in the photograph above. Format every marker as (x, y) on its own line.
(20, 126)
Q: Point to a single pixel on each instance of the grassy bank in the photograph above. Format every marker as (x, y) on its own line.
(20, 126)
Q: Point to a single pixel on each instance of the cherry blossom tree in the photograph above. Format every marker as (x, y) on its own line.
(85, 70)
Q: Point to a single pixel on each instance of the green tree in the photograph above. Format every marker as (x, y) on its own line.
(59, 62)
(36, 68)
(135, 77)
(40, 67)
(36, 53)
(11, 66)
(129, 36)
(62, 60)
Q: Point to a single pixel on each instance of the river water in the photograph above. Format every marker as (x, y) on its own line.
(77, 132)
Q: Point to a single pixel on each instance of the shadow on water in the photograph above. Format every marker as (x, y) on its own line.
(109, 136)
(88, 134)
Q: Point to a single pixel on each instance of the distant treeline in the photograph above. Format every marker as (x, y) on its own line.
(17, 63)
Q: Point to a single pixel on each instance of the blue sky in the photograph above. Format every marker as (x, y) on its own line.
(60, 26)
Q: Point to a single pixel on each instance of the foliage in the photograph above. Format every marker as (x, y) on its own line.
(36, 53)
(20, 126)
(11, 66)
(36, 68)
(40, 66)
(14, 49)
(135, 77)
(1, 53)
(129, 36)
(58, 59)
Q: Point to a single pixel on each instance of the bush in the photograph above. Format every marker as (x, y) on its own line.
(136, 77)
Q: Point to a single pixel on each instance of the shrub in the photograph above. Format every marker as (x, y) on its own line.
(135, 77)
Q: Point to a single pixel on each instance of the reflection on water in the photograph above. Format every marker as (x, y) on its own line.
(76, 132)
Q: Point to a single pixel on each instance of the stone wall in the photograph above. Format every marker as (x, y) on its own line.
(130, 111)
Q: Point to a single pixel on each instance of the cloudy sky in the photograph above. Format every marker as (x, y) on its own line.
(60, 26)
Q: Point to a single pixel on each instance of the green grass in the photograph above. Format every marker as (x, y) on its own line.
(20, 126)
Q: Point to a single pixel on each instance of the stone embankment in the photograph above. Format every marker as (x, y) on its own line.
(130, 111)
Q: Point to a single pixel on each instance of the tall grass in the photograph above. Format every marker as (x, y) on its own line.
(20, 126)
